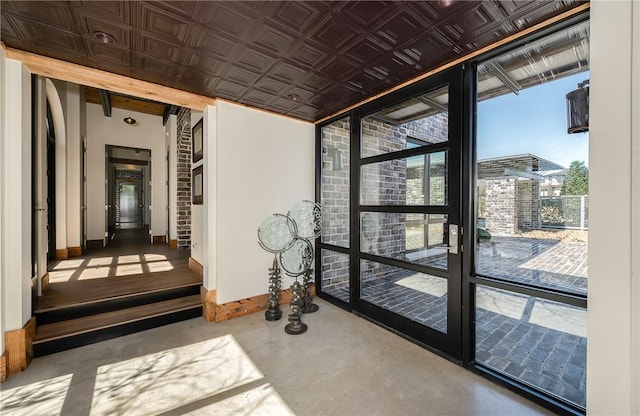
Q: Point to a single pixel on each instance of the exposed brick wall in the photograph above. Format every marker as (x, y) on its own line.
(386, 183)
(501, 201)
(184, 179)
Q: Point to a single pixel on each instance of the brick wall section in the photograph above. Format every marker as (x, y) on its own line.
(124, 176)
(500, 202)
(184, 179)
(528, 208)
(382, 184)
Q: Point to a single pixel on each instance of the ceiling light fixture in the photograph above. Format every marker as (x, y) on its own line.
(104, 37)
(294, 97)
(130, 121)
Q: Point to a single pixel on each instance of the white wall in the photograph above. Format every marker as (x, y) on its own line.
(56, 96)
(264, 165)
(2, 153)
(15, 240)
(74, 101)
(148, 133)
(612, 350)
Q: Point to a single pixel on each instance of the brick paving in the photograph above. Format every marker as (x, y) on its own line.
(522, 345)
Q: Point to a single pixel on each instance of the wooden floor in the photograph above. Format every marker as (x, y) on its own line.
(128, 286)
(129, 265)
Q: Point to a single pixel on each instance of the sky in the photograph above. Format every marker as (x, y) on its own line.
(533, 122)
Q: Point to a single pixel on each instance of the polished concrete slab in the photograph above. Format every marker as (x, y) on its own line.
(343, 365)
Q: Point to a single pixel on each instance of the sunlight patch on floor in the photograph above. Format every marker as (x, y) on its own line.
(134, 258)
(154, 257)
(559, 317)
(172, 379)
(42, 398)
(60, 276)
(262, 400)
(507, 304)
(94, 273)
(128, 269)
(68, 264)
(101, 261)
(431, 285)
(159, 266)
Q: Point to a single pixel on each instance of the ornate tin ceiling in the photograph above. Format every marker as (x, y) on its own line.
(305, 59)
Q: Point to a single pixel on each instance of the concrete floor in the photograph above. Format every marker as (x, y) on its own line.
(343, 365)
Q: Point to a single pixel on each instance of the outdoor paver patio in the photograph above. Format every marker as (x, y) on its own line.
(536, 341)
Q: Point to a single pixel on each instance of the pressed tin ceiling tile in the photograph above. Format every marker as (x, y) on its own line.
(329, 54)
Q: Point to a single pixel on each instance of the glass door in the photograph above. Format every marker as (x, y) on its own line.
(390, 246)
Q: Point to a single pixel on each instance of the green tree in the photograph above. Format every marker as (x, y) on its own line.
(577, 180)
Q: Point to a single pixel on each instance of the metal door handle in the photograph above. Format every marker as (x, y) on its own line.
(453, 239)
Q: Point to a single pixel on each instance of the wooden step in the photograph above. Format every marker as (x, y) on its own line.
(92, 291)
(75, 327)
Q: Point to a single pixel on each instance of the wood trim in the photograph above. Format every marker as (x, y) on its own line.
(45, 283)
(196, 267)
(62, 254)
(173, 244)
(66, 71)
(95, 243)
(555, 19)
(208, 304)
(18, 346)
(250, 305)
(159, 239)
(3, 367)
(75, 251)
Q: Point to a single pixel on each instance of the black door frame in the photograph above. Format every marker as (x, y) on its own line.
(449, 343)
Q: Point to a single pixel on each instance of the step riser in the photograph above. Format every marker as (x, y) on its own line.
(109, 305)
(75, 341)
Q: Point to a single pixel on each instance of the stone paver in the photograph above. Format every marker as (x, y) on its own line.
(533, 350)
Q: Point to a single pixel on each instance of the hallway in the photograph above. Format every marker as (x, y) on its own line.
(343, 365)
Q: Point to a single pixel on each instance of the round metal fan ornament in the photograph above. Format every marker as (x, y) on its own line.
(307, 215)
(297, 258)
(277, 233)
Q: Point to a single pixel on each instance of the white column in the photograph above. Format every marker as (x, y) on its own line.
(73, 171)
(209, 237)
(612, 387)
(2, 153)
(15, 240)
(172, 142)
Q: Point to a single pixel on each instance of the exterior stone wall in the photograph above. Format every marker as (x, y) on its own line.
(525, 212)
(335, 207)
(184, 179)
(500, 202)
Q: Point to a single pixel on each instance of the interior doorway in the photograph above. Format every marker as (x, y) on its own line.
(128, 189)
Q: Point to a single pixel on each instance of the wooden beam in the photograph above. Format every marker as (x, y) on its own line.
(169, 110)
(66, 71)
(105, 101)
(555, 19)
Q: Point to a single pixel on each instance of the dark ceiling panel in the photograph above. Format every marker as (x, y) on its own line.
(330, 55)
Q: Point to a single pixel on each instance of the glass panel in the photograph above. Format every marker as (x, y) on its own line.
(417, 296)
(539, 342)
(416, 180)
(416, 238)
(422, 121)
(533, 190)
(335, 274)
(335, 183)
